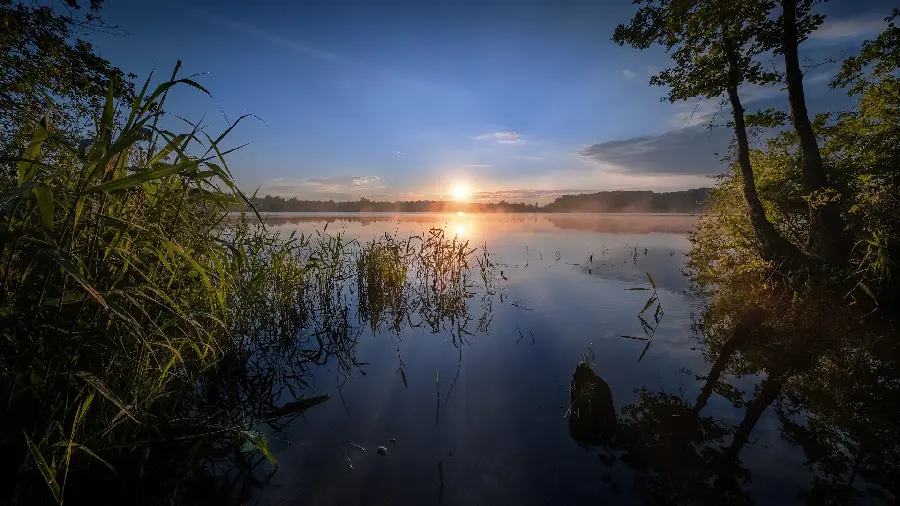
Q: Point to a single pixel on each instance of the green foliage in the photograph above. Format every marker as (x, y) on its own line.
(112, 283)
(860, 151)
(698, 35)
(876, 64)
(49, 69)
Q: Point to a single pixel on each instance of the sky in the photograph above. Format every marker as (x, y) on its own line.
(521, 100)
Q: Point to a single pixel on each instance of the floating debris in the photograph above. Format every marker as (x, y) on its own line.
(360, 448)
(393, 440)
(381, 450)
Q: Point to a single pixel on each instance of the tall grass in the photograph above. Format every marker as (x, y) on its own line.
(136, 312)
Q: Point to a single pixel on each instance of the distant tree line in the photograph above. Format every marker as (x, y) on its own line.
(688, 201)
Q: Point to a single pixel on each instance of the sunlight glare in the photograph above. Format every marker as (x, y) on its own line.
(461, 191)
(460, 230)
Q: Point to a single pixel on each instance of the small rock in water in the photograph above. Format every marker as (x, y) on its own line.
(381, 450)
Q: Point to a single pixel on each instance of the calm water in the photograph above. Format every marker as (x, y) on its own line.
(486, 419)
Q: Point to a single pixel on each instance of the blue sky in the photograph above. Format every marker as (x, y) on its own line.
(522, 100)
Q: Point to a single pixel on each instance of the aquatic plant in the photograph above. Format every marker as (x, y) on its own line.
(137, 313)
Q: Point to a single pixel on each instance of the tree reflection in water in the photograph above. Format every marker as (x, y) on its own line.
(830, 378)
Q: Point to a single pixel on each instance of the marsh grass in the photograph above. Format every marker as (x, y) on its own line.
(145, 330)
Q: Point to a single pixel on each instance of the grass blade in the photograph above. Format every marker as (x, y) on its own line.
(27, 166)
(44, 197)
(105, 392)
(645, 350)
(126, 182)
(648, 304)
(46, 472)
(71, 270)
(255, 440)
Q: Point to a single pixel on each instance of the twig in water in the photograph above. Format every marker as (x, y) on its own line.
(341, 395)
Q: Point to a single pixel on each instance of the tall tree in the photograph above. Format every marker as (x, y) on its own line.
(710, 42)
(826, 235)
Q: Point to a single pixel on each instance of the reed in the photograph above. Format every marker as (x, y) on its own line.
(139, 314)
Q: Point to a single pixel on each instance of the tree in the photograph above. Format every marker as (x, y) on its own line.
(711, 43)
(46, 68)
(826, 235)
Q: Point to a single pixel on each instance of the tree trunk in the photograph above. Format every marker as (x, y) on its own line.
(743, 330)
(715, 373)
(825, 229)
(768, 392)
(773, 246)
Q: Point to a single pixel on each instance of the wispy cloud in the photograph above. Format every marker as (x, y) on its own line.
(688, 151)
(325, 55)
(821, 77)
(530, 158)
(270, 37)
(322, 187)
(525, 195)
(502, 137)
(833, 30)
(699, 112)
(629, 74)
(704, 111)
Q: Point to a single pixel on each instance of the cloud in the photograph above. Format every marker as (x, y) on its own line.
(700, 112)
(504, 137)
(852, 28)
(629, 74)
(688, 151)
(525, 195)
(270, 37)
(323, 187)
(704, 111)
(821, 77)
(530, 158)
(356, 65)
(352, 181)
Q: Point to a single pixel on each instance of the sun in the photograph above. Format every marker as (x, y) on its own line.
(461, 191)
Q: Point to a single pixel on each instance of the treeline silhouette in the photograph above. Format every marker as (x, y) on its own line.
(688, 201)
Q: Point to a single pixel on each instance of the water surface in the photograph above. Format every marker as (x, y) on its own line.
(483, 410)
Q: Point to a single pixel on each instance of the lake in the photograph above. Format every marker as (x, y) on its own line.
(484, 409)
